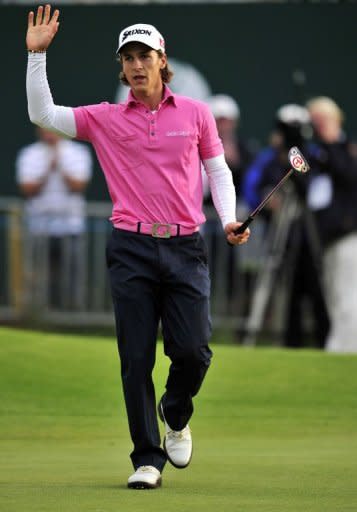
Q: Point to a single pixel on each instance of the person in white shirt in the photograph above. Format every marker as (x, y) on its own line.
(52, 174)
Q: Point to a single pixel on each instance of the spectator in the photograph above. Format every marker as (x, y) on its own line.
(333, 194)
(238, 155)
(302, 250)
(52, 174)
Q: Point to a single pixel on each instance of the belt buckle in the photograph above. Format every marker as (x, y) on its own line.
(161, 230)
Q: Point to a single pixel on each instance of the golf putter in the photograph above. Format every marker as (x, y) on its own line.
(298, 163)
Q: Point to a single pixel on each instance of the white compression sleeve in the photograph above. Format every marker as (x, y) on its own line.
(222, 188)
(41, 108)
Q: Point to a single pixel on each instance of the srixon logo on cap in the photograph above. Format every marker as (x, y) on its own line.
(136, 31)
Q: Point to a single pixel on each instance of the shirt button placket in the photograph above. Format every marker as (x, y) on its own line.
(152, 129)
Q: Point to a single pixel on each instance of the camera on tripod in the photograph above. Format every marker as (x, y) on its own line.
(291, 232)
(292, 122)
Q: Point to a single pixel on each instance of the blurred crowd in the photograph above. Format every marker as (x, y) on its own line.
(317, 251)
(316, 255)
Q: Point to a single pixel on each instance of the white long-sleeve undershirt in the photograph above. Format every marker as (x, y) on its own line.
(43, 112)
(222, 189)
(41, 108)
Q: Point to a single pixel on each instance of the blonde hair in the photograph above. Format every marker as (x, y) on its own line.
(166, 72)
(325, 105)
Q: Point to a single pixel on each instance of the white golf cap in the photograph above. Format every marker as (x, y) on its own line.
(142, 33)
(225, 106)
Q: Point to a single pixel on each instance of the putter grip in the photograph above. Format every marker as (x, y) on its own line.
(244, 226)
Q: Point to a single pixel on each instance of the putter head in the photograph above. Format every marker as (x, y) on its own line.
(297, 160)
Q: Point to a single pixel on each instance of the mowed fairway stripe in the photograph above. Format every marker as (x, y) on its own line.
(274, 431)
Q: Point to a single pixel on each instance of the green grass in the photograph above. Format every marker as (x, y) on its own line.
(274, 431)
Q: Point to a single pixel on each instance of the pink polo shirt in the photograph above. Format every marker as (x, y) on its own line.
(152, 161)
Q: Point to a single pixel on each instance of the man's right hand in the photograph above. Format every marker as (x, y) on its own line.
(42, 30)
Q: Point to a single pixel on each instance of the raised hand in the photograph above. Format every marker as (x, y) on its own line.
(42, 30)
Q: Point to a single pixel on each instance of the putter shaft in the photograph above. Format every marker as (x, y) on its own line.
(250, 219)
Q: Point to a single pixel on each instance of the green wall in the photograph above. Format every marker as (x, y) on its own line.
(247, 51)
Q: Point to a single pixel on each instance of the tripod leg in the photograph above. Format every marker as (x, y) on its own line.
(267, 275)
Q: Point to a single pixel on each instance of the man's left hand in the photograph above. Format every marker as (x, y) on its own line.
(236, 239)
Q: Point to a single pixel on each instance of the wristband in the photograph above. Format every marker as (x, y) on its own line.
(36, 51)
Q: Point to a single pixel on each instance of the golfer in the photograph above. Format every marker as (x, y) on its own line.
(150, 149)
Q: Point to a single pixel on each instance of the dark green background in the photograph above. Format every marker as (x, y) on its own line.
(247, 51)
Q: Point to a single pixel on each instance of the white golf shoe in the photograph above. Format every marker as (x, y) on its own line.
(145, 477)
(177, 443)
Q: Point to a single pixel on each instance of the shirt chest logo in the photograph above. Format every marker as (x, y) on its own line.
(178, 133)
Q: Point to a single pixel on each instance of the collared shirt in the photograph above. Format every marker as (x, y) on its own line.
(152, 160)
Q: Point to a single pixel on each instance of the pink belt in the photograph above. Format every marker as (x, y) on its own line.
(157, 229)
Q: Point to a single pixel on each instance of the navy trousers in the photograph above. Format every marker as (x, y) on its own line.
(155, 279)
